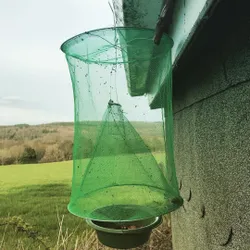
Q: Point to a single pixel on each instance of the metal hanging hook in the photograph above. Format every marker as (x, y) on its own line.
(164, 21)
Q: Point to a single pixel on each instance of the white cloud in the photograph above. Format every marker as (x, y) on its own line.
(11, 115)
(17, 102)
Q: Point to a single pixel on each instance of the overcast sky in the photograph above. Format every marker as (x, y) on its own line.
(35, 85)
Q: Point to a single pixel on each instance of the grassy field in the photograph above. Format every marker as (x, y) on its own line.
(38, 195)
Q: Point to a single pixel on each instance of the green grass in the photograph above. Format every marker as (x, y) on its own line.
(39, 194)
(16, 176)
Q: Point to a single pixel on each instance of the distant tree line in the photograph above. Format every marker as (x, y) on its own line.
(25, 144)
(63, 151)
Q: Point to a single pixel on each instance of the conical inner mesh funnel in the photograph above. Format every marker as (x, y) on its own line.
(120, 167)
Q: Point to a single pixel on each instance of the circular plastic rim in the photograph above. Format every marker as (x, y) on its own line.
(65, 44)
(157, 221)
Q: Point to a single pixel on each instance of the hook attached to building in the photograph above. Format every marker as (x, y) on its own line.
(164, 21)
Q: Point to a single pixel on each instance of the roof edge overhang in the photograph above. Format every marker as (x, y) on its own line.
(190, 17)
(183, 49)
(199, 23)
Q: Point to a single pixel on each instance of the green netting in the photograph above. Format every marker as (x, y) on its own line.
(123, 150)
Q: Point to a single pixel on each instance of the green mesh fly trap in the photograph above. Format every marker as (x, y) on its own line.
(123, 147)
